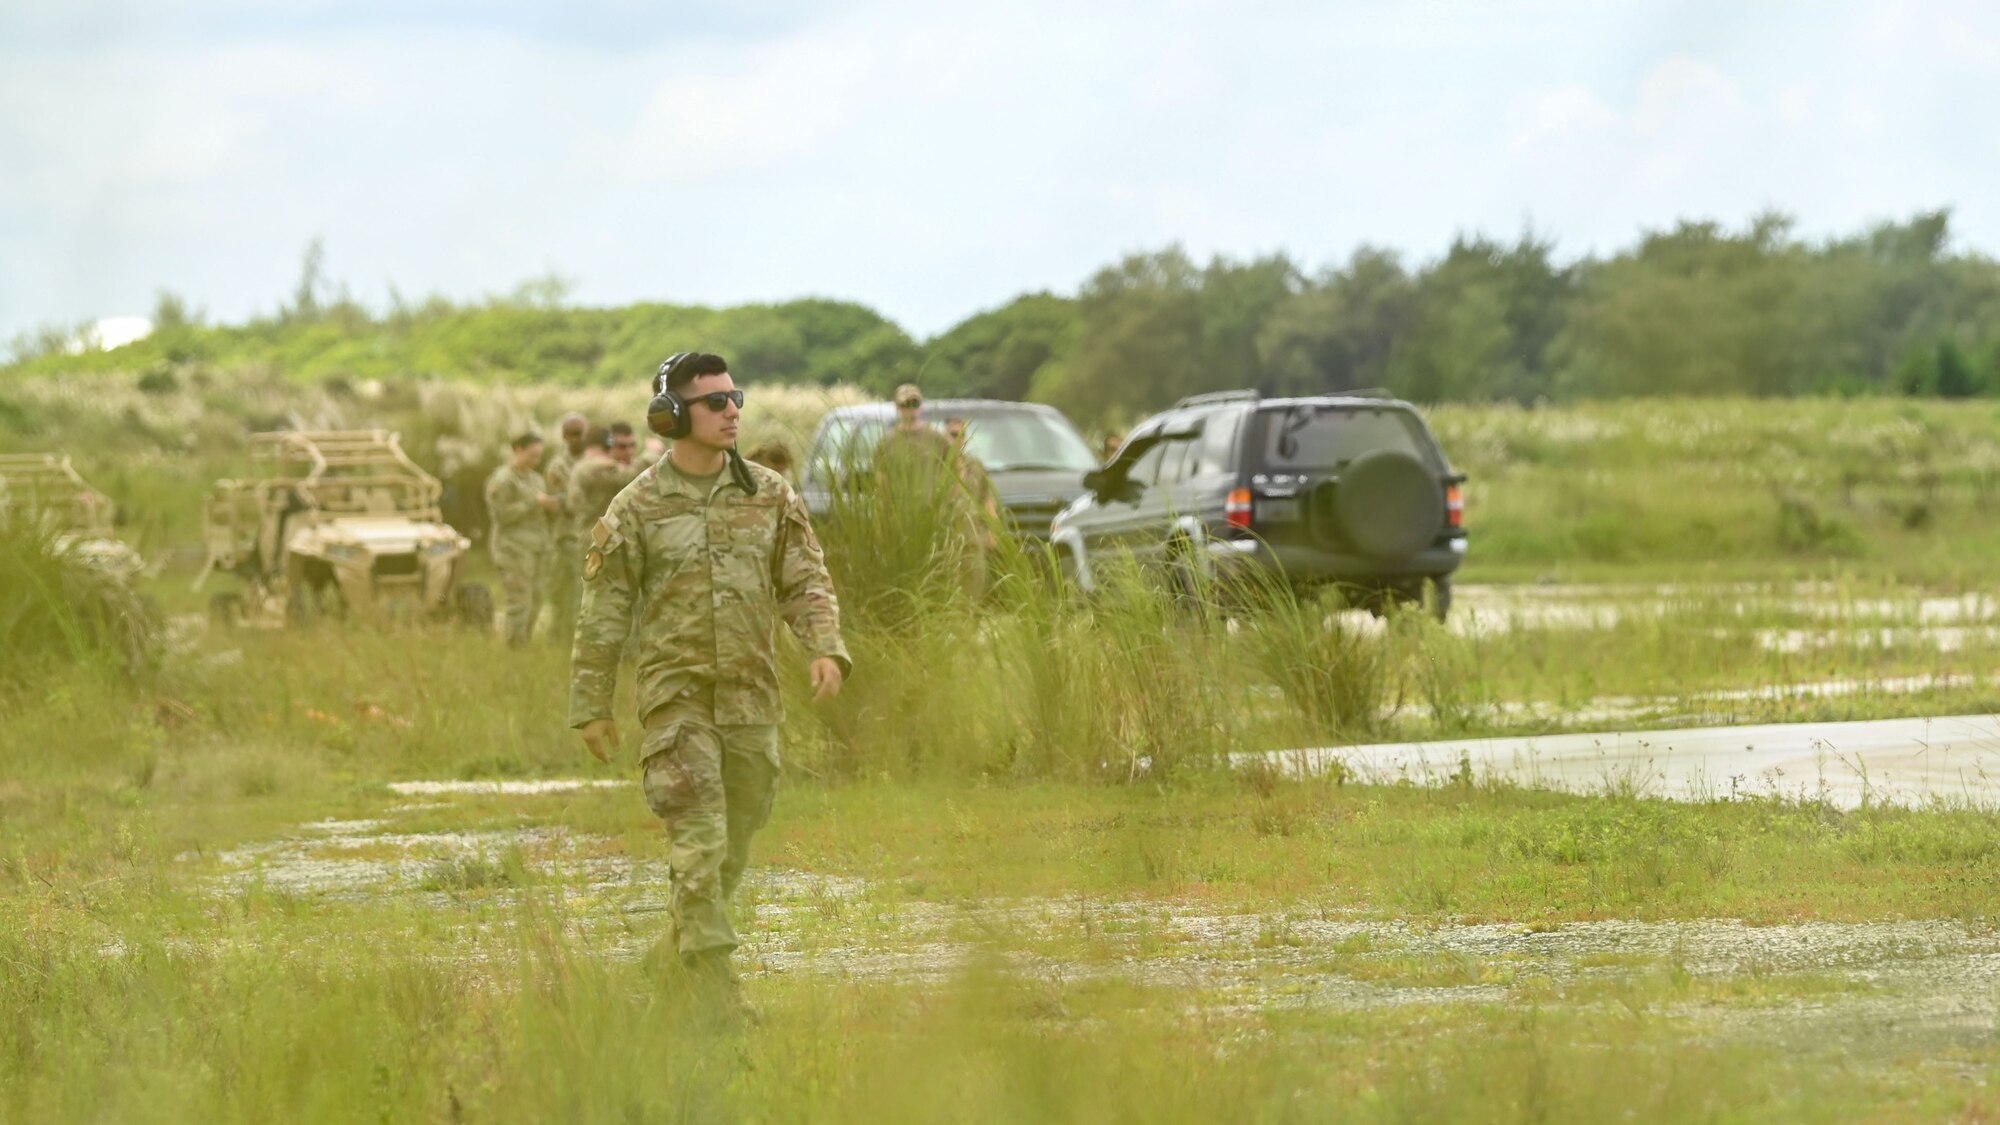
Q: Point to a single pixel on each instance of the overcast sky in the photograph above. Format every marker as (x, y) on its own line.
(934, 159)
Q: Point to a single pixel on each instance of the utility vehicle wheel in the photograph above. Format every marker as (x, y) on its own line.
(473, 603)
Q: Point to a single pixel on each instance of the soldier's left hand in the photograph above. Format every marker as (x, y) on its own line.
(600, 737)
(826, 679)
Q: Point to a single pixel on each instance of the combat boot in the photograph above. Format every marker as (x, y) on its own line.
(662, 962)
(712, 980)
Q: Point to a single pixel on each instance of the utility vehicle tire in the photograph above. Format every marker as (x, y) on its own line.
(473, 603)
(1389, 504)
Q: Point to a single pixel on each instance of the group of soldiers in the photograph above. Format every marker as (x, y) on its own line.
(543, 507)
(541, 514)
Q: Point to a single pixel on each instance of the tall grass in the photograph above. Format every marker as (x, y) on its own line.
(539, 1028)
(57, 608)
(1018, 674)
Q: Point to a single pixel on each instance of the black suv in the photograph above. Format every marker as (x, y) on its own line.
(1033, 454)
(1337, 490)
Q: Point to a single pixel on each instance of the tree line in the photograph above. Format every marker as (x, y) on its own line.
(1697, 310)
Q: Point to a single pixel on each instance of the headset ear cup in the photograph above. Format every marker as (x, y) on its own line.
(667, 415)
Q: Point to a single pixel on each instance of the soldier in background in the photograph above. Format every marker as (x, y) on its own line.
(973, 476)
(519, 501)
(983, 506)
(911, 452)
(773, 455)
(567, 557)
(916, 472)
(624, 444)
(607, 467)
(696, 561)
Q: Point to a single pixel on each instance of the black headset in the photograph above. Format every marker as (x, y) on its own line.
(667, 416)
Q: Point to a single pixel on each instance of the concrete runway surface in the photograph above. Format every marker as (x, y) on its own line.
(1953, 760)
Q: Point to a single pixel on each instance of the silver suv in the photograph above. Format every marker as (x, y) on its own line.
(1034, 455)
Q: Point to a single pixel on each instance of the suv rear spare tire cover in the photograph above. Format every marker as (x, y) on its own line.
(1389, 504)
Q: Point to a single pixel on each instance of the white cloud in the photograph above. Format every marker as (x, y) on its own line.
(1684, 93)
(749, 111)
(1563, 113)
(935, 160)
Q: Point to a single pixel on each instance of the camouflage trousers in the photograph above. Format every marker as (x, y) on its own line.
(565, 588)
(712, 786)
(523, 572)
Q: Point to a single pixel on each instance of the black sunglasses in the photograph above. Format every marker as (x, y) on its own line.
(716, 400)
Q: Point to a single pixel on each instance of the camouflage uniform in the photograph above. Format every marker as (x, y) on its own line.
(921, 466)
(921, 453)
(698, 573)
(979, 532)
(592, 485)
(520, 544)
(566, 566)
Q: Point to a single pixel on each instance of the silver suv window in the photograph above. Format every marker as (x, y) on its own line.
(1003, 440)
(1006, 440)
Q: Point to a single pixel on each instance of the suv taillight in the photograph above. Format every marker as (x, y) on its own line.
(1454, 506)
(1236, 509)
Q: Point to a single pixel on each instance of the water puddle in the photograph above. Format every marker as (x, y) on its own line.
(502, 788)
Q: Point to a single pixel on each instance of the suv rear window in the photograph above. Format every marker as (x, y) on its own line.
(1322, 437)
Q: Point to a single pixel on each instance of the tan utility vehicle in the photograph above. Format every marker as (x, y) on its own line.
(336, 522)
(48, 484)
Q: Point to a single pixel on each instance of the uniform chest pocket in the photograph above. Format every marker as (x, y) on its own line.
(750, 526)
(673, 541)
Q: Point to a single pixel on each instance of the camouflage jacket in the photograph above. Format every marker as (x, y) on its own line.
(592, 484)
(922, 453)
(556, 474)
(512, 500)
(984, 499)
(698, 581)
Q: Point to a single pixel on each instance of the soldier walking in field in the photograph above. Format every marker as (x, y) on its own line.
(567, 557)
(520, 504)
(697, 560)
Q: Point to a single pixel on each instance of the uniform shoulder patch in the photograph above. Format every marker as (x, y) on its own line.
(604, 539)
(604, 535)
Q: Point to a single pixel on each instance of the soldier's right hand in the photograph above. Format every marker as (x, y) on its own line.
(548, 502)
(600, 737)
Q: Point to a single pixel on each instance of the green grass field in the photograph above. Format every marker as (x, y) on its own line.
(1007, 879)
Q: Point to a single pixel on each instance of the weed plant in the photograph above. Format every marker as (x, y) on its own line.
(57, 608)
